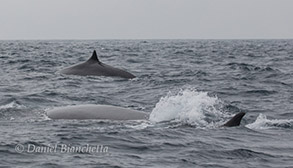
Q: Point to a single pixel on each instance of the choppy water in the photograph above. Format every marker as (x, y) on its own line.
(190, 87)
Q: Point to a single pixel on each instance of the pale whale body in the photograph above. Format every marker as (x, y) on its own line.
(94, 67)
(107, 112)
(90, 111)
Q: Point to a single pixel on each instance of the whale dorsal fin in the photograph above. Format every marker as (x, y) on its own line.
(235, 121)
(94, 57)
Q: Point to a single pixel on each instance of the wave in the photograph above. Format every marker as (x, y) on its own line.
(260, 92)
(189, 106)
(10, 111)
(262, 122)
(237, 153)
(250, 67)
(12, 104)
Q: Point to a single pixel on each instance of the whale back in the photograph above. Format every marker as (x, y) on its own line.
(94, 67)
(106, 112)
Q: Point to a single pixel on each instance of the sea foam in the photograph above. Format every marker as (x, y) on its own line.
(188, 106)
(262, 122)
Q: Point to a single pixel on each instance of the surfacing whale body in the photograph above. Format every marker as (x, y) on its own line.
(93, 66)
(107, 112)
(90, 111)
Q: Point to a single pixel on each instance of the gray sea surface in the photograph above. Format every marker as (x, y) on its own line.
(189, 87)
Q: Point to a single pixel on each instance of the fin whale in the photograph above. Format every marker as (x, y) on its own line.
(107, 112)
(95, 67)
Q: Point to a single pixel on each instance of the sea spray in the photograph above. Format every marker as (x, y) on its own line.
(188, 106)
(262, 122)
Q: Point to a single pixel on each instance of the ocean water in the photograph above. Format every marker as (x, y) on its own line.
(189, 87)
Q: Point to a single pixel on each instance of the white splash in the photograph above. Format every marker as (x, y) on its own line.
(188, 106)
(12, 104)
(262, 122)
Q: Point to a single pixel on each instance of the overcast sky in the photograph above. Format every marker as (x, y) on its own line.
(146, 19)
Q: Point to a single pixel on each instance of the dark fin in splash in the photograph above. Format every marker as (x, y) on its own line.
(235, 121)
(94, 57)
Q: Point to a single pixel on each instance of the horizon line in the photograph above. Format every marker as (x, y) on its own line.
(89, 39)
